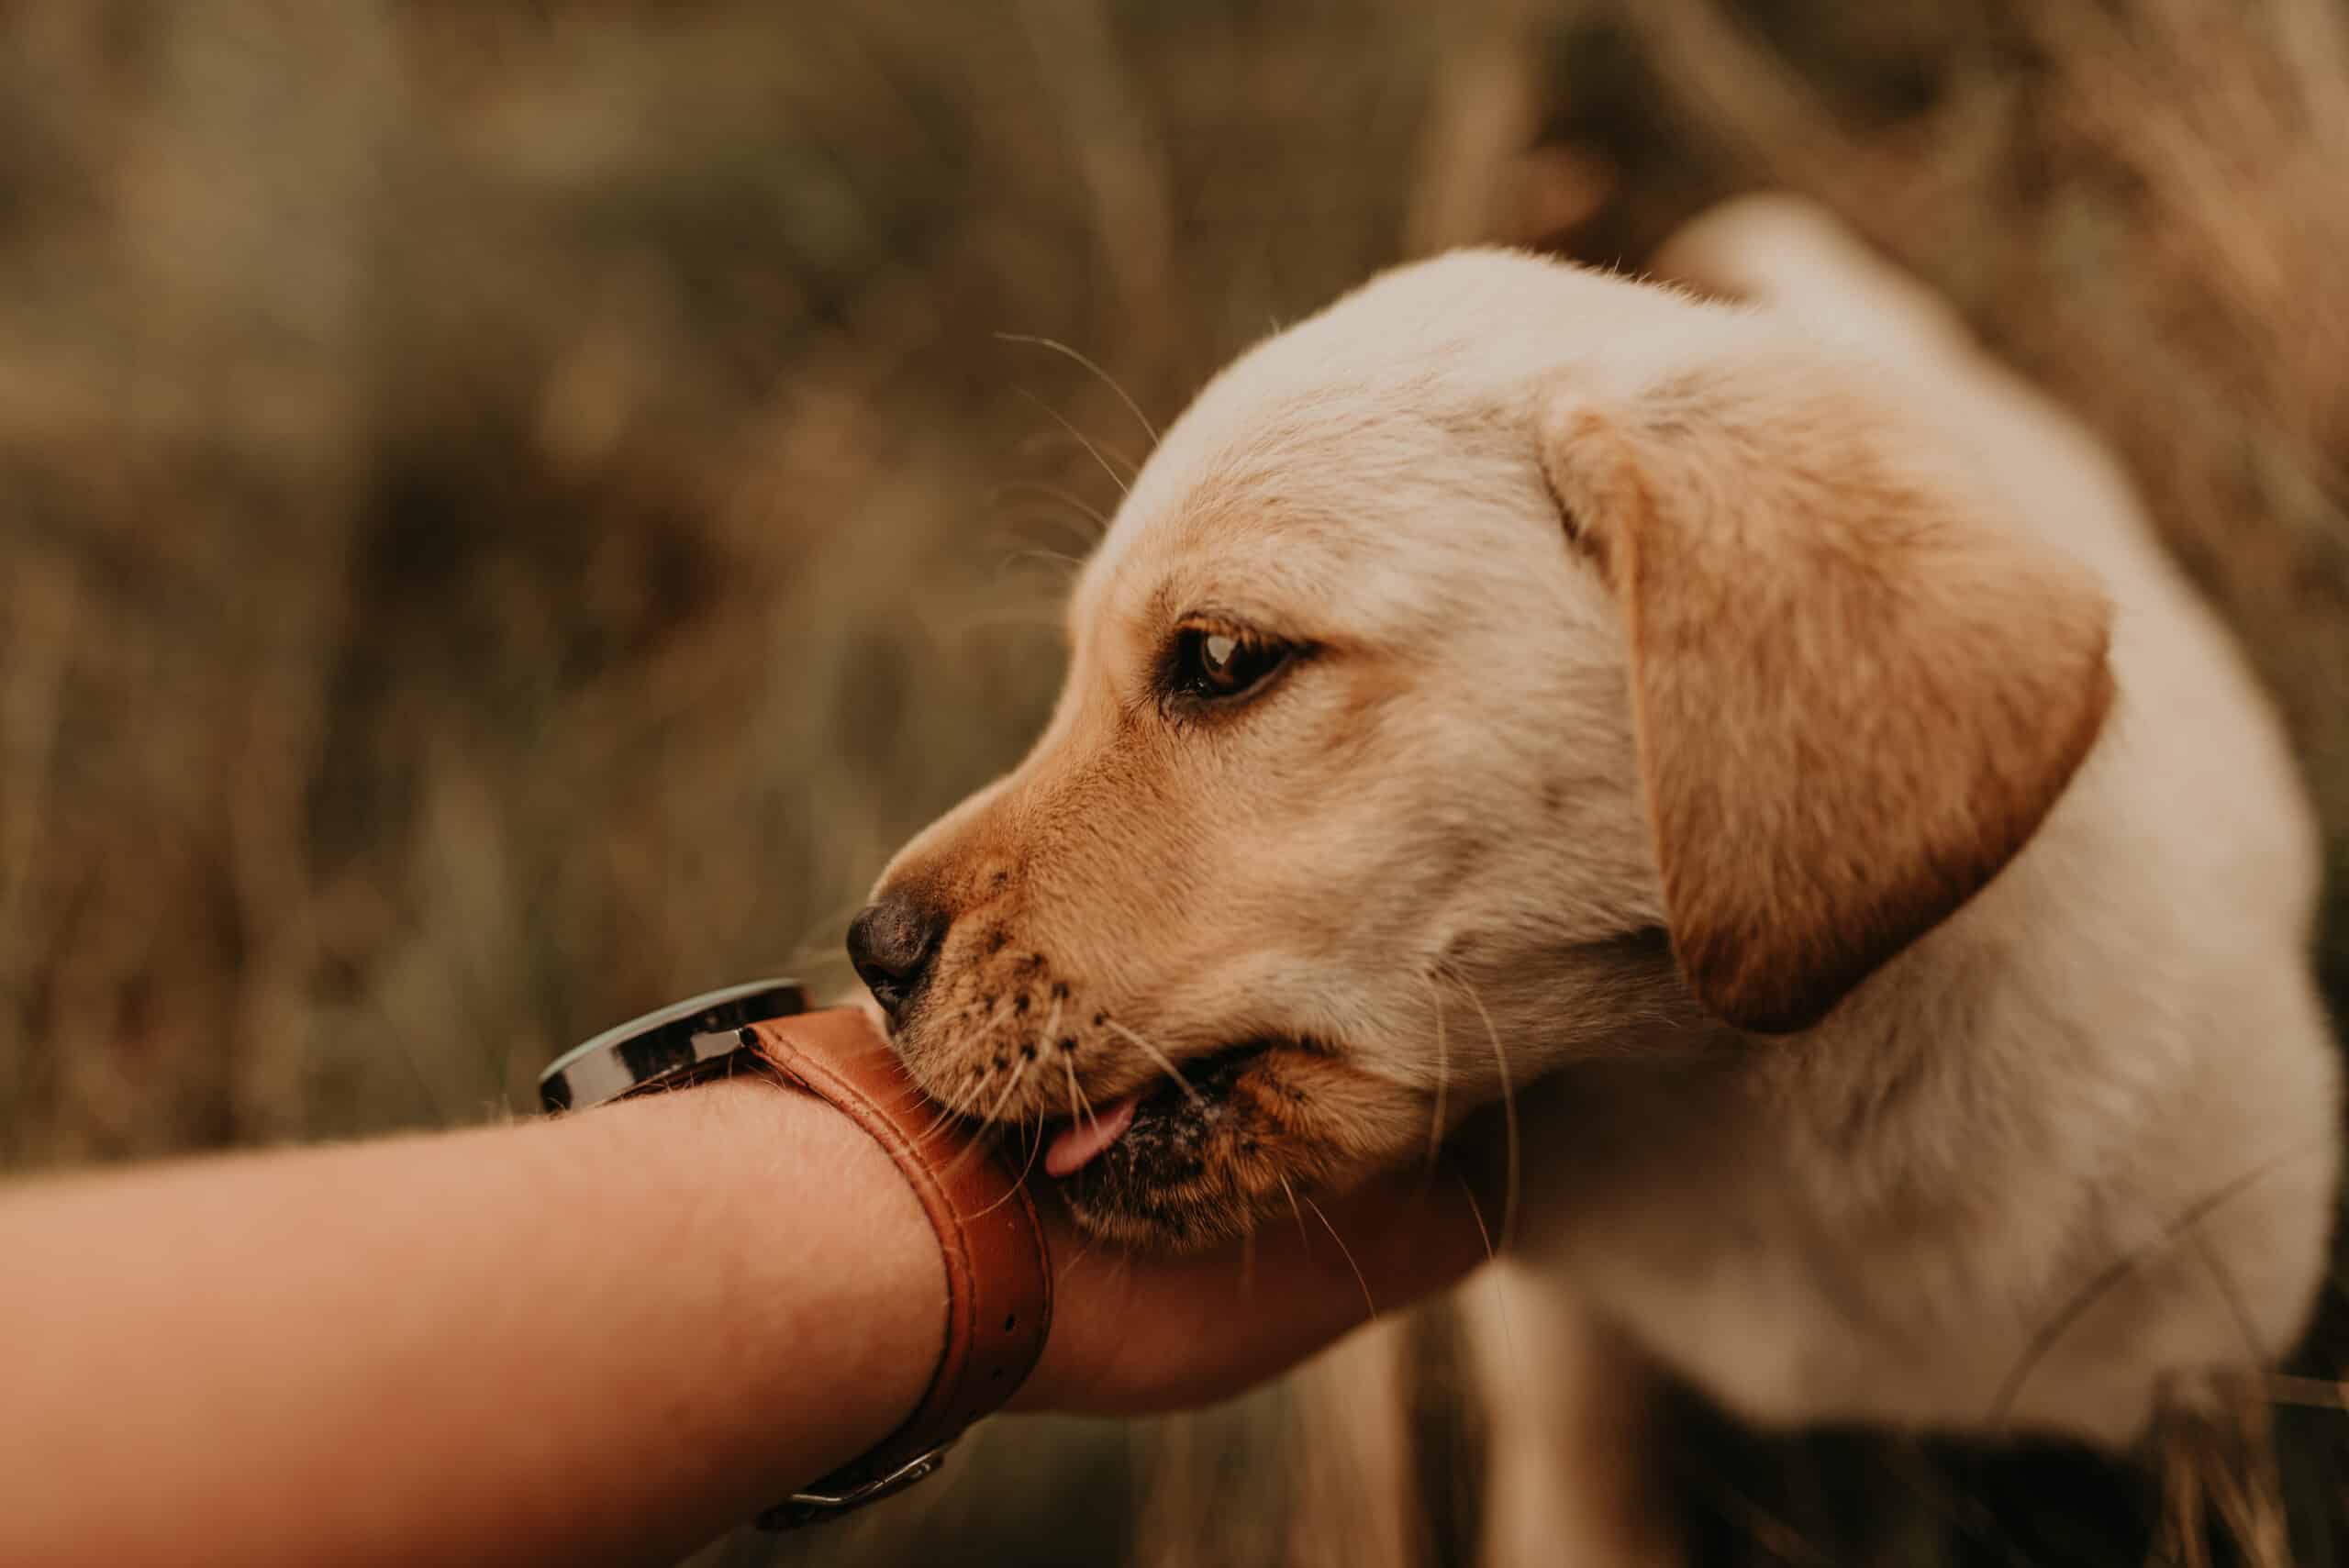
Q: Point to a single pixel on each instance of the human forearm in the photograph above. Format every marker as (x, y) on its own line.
(604, 1337)
(609, 1337)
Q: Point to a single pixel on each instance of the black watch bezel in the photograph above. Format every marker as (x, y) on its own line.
(683, 1041)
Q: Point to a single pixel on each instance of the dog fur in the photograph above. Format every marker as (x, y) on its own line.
(1763, 744)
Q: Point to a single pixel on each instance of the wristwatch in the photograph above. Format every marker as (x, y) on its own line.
(999, 1275)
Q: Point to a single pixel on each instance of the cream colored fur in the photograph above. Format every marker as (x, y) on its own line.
(2034, 1016)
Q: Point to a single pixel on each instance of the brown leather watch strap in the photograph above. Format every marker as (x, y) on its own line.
(999, 1275)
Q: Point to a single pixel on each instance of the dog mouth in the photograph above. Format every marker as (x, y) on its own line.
(1158, 1122)
(1180, 1165)
(1207, 1150)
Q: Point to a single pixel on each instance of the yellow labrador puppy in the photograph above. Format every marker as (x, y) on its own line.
(1764, 743)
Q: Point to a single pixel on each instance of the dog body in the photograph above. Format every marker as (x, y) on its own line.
(1765, 746)
(1909, 1214)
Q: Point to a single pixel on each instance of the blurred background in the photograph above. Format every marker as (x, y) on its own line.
(508, 511)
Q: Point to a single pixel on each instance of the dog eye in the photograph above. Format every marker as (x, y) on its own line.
(1212, 663)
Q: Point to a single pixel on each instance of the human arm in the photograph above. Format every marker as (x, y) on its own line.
(603, 1337)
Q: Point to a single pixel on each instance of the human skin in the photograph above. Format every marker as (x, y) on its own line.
(603, 1337)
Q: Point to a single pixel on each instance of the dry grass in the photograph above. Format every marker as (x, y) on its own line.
(512, 510)
(512, 517)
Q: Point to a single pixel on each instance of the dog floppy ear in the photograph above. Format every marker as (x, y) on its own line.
(1856, 692)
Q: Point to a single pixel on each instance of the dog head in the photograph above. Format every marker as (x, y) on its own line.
(1510, 665)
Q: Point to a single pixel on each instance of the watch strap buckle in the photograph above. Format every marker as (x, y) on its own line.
(829, 1497)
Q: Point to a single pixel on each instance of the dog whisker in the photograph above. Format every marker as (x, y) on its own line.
(1509, 1108)
(962, 1104)
(1059, 560)
(979, 1033)
(1077, 1097)
(1026, 1169)
(1302, 1234)
(937, 1127)
(1082, 439)
(1443, 1073)
(949, 1106)
(1160, 1057)
(1010, 1088)
(1500, 1299)
(982, 1145)
(1098, 521)
(1345, 1252)
(1478, 1211)
(1035, 1149)
(1088, 523)
(1033, 523)
(1006, 1008)
(953, 1110)
(1106, 378)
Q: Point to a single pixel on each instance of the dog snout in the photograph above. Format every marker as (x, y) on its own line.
(893, 942)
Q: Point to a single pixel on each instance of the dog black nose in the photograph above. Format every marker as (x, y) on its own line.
(891, 943)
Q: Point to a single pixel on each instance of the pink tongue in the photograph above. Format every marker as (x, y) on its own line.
(1075, 1147)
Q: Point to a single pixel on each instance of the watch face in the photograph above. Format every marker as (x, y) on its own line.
(677, 1041)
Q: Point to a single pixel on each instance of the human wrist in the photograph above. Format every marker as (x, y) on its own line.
(871, 1266)
(998, 1279)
